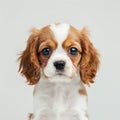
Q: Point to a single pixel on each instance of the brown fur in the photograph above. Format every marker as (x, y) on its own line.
(31, 59)
(67, 44)
(29, 64)
(83, 92)
(87, 53)
(90, 59)
(49, 44)
(30, 116)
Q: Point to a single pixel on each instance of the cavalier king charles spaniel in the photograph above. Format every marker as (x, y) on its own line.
(59, 60)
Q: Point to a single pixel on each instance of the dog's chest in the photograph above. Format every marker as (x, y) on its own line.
(57, 97)
(61, 97)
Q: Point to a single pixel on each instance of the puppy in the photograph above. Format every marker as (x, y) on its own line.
(59, 60)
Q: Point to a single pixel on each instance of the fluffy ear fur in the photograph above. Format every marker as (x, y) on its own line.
(90, 59)
(29, 64)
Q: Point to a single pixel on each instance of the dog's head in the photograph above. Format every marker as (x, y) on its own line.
(59, 52)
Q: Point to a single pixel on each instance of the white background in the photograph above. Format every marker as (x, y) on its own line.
(102, 17)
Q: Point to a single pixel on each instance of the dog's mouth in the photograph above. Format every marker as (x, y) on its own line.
(60, 73)
(57, 73)
(60, 76)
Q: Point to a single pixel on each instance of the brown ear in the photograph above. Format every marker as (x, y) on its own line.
(90, 59)
(29, 64)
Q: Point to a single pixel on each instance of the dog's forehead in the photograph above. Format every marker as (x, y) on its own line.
(60, 31)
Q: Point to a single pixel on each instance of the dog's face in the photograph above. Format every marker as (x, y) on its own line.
(59, 52)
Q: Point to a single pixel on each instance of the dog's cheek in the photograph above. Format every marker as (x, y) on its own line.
(49, 69)
(43, 61)
(75, 60)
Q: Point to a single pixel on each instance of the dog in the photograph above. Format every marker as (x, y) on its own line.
(59, 60)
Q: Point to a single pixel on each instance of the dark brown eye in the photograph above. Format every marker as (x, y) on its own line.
(73, 51)
(46, 51)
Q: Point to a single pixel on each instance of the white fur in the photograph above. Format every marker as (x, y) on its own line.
(60, 32)
(50, 70)
(59, 101)
(57, 97)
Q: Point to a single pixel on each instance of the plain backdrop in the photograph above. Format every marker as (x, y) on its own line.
(102, 17)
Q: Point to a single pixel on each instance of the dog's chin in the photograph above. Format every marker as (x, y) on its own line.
(60, 73)
(58, 77)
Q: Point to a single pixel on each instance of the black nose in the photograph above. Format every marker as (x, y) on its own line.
(59, 65)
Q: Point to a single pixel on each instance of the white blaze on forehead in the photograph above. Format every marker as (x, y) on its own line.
(60, 31)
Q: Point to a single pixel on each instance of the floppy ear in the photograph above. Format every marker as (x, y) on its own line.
(90, 59)
(29, 64)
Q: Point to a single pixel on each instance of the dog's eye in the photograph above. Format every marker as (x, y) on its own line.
(73, 51)
(46, 51)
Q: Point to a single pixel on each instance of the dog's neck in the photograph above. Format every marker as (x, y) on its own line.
(59, 97)
(59, 84)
